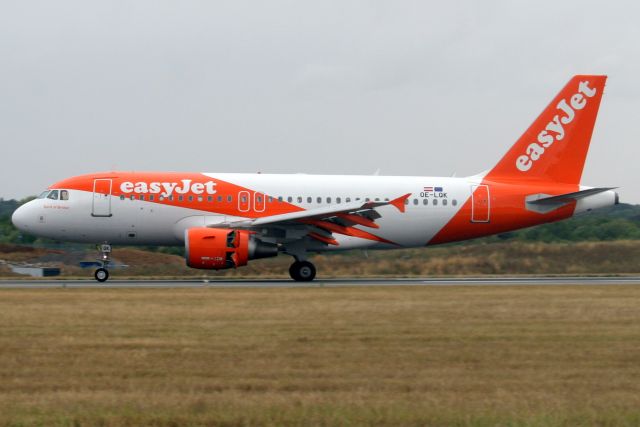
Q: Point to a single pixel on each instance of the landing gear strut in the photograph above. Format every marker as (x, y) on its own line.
(102, 274)
(302, 271)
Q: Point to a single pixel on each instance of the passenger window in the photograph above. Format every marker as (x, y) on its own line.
(180, 198)
(425, 202)
(328, 199)
(454, 202)
(406, 201)
(348, 199)
(367, 199)
(270, 199)
(280, 199)
(220, 199)
(151, 197)
(64, 195)
(338, 200)
(377, 199)
(122, 197)
(210, 199)
(415, 201)
(444, 202)
(229, 198)
(53, 195)
(435, 202)
(243, 199)
(309, 200)
(141, 197)
(132, 197)
(319, 200)
(299, 199)
(191, 198)
(200, 198)
(289, 199)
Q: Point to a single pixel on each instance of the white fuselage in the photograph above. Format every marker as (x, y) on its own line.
(144, 222)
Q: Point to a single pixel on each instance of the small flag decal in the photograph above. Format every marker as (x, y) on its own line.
(433, 189)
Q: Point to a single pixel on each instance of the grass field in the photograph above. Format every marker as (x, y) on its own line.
(317, 356)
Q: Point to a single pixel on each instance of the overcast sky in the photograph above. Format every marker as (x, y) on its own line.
(346, 87)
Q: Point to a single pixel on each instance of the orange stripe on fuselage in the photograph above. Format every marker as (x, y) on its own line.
(156, 184)
(507, 211)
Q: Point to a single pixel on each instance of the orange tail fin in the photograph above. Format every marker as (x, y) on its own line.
(555, 146)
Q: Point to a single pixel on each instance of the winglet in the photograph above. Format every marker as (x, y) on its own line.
(399, 202)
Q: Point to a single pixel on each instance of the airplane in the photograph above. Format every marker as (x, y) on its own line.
(225, 220)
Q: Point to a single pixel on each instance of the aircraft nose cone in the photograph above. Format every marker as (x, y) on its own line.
(19, 219)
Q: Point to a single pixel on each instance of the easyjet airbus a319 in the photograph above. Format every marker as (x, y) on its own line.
(226, 220)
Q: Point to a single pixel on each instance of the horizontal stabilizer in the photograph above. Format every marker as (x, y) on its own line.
(544, 199)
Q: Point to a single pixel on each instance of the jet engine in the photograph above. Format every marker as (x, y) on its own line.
(220, 248)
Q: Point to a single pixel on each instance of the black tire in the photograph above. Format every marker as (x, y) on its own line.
(293, 271)
(302, 271)
(101, 275)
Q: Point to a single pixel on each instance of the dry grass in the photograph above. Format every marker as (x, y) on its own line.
(320, 356)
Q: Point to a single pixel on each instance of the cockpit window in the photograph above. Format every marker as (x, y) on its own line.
(53, 195)
(64, 195)
(43, 194)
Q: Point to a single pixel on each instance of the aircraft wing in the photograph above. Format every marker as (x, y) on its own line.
(321, 223)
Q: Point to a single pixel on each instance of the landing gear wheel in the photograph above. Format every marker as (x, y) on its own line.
(101, 275)
(302, 271)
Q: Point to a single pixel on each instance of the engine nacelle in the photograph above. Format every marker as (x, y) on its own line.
(220, 248)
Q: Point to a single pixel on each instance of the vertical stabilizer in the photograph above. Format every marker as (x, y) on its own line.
(554, 147)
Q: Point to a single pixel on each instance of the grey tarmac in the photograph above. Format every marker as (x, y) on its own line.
(284, 283)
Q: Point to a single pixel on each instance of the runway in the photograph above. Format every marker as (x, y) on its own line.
(279, 283)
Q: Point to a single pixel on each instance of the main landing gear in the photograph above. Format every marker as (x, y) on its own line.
(302, 271)
(102, 274)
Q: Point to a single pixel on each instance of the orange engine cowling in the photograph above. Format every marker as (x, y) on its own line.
(219, 248)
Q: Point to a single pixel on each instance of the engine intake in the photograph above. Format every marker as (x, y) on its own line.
(220, 248)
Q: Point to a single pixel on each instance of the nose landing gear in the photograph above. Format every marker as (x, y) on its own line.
(102, 274)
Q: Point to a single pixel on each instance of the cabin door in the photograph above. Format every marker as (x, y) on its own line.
(101, 197)
(480, 204)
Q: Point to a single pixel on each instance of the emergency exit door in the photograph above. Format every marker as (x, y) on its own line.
(480, 203)
(101, 197)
